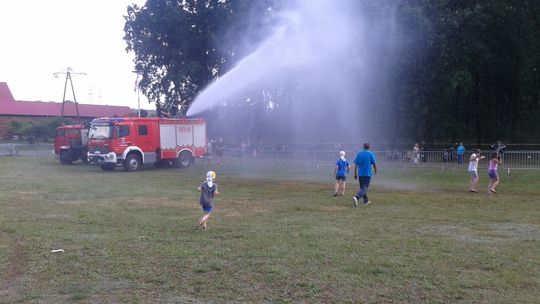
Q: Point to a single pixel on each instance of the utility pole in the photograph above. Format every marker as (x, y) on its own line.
(68, 72)
(138, 93)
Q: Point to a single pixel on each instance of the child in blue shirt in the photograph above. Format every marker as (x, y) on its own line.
(340, 173)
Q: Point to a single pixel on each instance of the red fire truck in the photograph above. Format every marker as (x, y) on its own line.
(135, 141)
(70, 143)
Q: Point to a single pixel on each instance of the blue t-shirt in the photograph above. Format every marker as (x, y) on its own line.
(364, 160)
(460, 150)
(342, 166)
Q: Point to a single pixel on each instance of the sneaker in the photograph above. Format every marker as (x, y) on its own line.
(367, 203)
(335, 194)
(355, 201)
(473, 191)
(493, 190)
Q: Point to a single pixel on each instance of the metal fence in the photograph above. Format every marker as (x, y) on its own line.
(511, 159)
(397, 158)
(34, 150)
(8, 150)
(527, 159)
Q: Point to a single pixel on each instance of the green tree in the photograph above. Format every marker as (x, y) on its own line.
(19, 127)
(465, 70)
(180, 46)
(469, 69)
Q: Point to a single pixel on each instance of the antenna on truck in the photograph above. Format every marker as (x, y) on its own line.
(68, 72)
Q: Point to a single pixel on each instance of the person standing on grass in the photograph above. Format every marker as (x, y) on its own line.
(416, 154)
(473, 169)
(494, 161)
(362, 170)
(208, 190)
(460, 152)
(340, 173)
(220, 147)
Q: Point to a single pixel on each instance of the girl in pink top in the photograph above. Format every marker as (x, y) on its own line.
(494, 161)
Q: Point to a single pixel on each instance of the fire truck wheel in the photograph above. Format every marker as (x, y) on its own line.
(132, 162)
(107, 167)
(65, 157)
(185, 159)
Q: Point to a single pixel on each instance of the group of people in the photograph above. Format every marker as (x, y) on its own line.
(457, 151)
(217, 148)
(494, 162)
(363, 164)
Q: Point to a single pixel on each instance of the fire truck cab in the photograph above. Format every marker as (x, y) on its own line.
(132, 142)
(70, 143)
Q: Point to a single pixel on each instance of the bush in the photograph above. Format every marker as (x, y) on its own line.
(40, 129)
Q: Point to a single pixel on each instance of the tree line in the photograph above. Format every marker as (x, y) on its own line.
(463, 70)
(32, 130)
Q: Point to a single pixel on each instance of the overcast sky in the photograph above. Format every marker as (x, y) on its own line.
(41, 37)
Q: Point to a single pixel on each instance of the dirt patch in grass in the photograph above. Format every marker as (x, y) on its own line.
(517, 231)
(489, 234)
(401, 186)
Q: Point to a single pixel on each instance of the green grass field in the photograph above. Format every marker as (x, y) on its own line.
(276, 236)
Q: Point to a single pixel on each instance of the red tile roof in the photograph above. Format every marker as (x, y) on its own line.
(38, 108)
(5, 92)
(9, 106)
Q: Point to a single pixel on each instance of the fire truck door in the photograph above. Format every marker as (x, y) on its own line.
(146, 142)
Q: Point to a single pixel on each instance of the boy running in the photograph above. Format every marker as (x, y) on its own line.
(208, 190)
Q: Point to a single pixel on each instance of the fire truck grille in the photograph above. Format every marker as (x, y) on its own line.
(102, 150)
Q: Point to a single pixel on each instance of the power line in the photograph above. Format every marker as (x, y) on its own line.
(68, 72)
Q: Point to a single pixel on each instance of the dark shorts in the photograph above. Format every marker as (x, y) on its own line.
(341, 178)
(493, 174)
(207, 209)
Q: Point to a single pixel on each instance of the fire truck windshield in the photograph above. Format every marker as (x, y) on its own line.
(100, 132)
